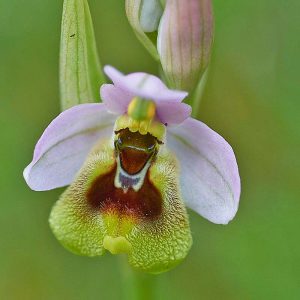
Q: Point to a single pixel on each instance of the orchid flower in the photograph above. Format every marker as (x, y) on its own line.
(134, 163)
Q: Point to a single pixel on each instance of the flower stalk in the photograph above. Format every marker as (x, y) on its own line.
(136, 285)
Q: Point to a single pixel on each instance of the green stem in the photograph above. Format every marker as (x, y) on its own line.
(197, 95)
(136, 285)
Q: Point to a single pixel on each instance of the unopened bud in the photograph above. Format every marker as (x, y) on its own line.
(185, 39)
(151, 12)
(144, 17)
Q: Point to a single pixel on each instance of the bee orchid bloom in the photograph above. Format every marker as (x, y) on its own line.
(133, 163)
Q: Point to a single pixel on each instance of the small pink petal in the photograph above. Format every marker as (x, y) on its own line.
(209, 177)
(64, 145)
(115, 100)
(117, 97)
(169, 112)
(144, 85)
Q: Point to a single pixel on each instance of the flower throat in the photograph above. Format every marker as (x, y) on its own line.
(134, 153)
(127, 189)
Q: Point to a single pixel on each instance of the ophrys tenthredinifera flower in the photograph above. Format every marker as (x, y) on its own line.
(133, 162)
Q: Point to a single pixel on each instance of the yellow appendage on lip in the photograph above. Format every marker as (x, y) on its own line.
(117, 245)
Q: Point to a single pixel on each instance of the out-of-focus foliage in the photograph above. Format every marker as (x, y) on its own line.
(251, 98)
(80, 69)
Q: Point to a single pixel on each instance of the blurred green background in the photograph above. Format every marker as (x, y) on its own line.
(252, 98)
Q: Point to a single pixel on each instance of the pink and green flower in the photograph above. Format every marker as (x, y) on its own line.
(133, 163)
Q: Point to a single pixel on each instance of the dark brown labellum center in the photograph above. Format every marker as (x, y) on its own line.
(134, 151)
(145, 204)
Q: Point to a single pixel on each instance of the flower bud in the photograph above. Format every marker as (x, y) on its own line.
(185, 39)
(151, 12)
(144, 17)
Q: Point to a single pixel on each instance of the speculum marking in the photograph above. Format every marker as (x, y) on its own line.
(144, 204)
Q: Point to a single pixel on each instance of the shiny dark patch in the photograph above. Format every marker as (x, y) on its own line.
(132, 160)
(145, 204)
(134, 150)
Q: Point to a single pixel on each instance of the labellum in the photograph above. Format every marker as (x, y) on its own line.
(126, 197)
